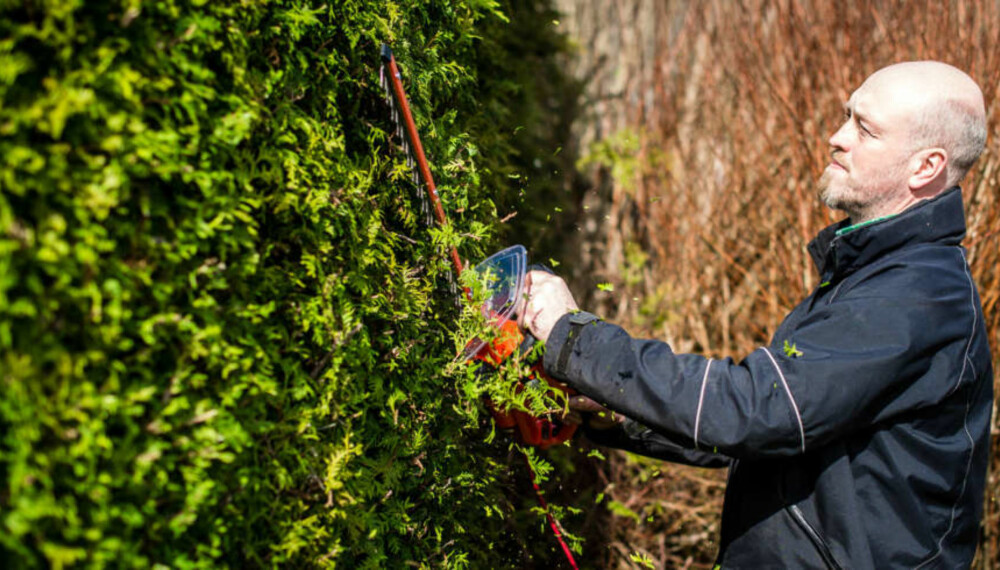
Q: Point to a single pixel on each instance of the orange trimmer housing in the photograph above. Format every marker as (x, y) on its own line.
(541, 432)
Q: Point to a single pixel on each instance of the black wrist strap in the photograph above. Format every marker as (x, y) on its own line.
(576, 323)
(567, 349)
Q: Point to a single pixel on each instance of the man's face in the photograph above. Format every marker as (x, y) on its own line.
(870, 153)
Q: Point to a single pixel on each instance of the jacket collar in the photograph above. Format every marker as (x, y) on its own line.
(938, 220)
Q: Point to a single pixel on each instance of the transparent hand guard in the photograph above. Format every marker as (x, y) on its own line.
(505, 271)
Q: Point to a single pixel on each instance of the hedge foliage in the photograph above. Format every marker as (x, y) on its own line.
(223, 335)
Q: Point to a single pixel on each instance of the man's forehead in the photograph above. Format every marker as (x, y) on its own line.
(884, 101)
(864, 102)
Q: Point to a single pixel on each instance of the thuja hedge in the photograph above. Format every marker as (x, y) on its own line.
(223, 331)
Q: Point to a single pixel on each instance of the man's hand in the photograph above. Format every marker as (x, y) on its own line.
(597, 416)
(546, 299)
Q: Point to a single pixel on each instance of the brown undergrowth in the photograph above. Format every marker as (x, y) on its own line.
(707, 200)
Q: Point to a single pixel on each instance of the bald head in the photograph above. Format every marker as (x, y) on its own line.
(911, 131)
(943, 106)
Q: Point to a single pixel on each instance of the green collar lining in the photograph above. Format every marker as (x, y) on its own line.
(859, 225)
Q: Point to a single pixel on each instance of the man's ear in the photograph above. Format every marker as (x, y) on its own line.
(929, 171)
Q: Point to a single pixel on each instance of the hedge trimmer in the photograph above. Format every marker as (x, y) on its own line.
(505, 272)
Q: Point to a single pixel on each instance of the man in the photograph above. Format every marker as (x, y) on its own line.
(859, 437)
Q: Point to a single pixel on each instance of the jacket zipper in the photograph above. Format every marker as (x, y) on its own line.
(821, 546)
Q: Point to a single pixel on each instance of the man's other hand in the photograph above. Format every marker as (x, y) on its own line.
(597, 416)
(547, 298)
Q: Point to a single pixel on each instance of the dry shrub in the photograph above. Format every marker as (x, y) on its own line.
(708, 198)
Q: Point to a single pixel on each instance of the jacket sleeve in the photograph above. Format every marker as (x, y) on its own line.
(849, 365)
(637, 438)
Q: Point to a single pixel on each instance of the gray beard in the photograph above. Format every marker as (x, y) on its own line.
(857, 208)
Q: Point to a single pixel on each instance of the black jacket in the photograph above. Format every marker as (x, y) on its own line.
(859, 437)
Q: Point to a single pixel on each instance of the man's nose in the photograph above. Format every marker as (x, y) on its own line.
(838, 140)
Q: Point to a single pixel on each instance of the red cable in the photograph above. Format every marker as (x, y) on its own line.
(553, 523)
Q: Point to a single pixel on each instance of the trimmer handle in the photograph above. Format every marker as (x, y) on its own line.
(529, 339)
(543, 432)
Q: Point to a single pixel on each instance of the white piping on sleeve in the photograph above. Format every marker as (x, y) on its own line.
(795, 408)
(701, 400)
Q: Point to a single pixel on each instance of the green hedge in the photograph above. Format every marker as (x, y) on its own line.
(223, 335)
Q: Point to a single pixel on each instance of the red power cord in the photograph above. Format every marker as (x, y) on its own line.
(553, 523)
